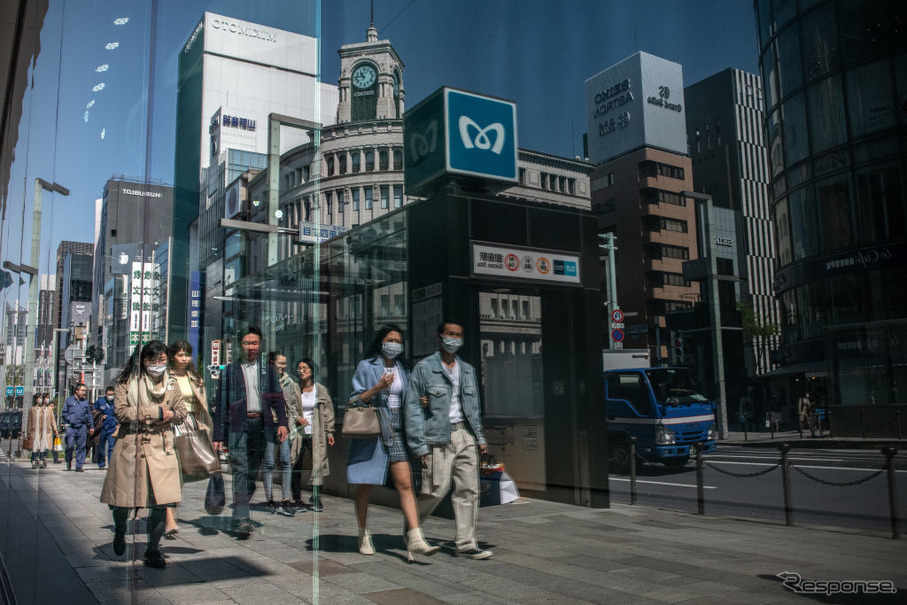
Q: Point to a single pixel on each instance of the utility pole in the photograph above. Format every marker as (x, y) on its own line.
(607, 244)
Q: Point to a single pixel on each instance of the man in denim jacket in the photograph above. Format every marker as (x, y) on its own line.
(443, 427)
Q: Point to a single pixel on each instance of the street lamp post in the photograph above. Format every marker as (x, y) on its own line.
(33, 286)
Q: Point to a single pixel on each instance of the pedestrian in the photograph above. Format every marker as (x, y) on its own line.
(198, 416)
(53, 412)
(381, 380)
(79, 425)
(805, 411)
(313, 432)
(108, 427)
(144, 471)
(273, 444)
(97, 419)
(444, 429)
(41, 430)
(248, 400)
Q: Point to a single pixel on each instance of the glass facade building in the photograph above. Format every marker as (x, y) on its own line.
(835, 80)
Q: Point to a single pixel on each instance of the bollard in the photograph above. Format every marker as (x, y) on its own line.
(890, 452)
(897, 423)
(785, 478)
(863, 424)
(632, 470)
(700, 491)
(828, 419)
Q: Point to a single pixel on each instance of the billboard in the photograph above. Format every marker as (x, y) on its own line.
(635, 103)
(454, 134)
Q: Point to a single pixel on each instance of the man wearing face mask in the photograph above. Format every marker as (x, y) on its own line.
(77, 415)
(108, 428)
(444, 429)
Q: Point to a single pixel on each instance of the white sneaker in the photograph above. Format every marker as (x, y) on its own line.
(475, 553)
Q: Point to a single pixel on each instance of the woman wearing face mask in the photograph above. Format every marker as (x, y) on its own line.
(192, 387)
(144, 471)
(41, 430)
(312, 433)
(381, 379)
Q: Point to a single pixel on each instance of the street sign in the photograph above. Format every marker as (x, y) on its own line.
(215, 352)
(615, 325)
(617, 315)
(617, 335)
(20, 390)
(9, 391)
(72, 351)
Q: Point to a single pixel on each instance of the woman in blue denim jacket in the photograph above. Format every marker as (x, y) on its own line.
(381, 380)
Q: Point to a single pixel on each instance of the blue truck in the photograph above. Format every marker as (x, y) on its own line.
(663, 408)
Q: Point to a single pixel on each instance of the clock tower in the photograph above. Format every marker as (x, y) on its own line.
(371, 80)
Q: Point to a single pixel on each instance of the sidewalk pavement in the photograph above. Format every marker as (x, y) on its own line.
(55, 540)
(805, 441)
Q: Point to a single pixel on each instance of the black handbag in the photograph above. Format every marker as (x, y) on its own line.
(215, 495)
(197, 457)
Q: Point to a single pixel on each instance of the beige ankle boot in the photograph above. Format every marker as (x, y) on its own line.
(365, 542)
(416, 544)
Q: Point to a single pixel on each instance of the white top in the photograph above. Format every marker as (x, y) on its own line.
(456, 410)
(253, 398)
(308, 408)
(395, 393)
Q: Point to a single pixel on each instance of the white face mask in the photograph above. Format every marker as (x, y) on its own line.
(451, 344)
(156, 370)
(391, 350)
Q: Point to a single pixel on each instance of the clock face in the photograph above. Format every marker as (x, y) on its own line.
(364, 76)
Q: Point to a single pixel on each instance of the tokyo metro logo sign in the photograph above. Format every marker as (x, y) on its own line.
(485, 141)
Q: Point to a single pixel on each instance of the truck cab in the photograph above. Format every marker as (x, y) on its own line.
(663, 408)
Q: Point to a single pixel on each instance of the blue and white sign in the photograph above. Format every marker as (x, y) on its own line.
(20, 390)
(460, 135)
(9, 391)
(482, 139)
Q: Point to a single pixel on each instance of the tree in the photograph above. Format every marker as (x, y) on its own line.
(758, 333)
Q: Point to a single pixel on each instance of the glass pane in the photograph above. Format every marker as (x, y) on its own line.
(789, 67)
(827, 126)
(870, 98)
(821, 52)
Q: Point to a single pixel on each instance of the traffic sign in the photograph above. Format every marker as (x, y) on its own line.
(615, 325)
(20, 390)
(617, 315)
(9, 391)
(617, 335)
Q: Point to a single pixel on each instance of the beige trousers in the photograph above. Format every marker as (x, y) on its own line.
(457, 462)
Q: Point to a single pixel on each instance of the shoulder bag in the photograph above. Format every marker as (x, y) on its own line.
(360, 421)
(197, 457)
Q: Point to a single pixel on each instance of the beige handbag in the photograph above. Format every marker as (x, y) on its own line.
(361, 422)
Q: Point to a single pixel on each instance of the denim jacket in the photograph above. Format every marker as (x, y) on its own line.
(431, 425)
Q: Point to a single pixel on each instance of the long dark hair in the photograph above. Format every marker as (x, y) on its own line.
(184, 347)
(136, 363)
(374, 350)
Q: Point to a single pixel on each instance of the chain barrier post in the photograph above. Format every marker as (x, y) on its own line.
(890, 453)
(785, 478)
(632, 470)
(700, 490)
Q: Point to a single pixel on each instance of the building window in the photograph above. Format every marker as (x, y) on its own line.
(330, 163)
(369, 161)
(652, 169)
(328, 201)
(342, 163)
(543, 180)
(356, 199)
(385, 197)
(505, 309)
(681, 252)
(355, 160)
(340, 202)
(398, 159)
(368, 198)
(526, 311)
(674, 279)
(670, 224)
(571, 186)
(494, 308)
(606, 207)
(398, 196)
(382, 159)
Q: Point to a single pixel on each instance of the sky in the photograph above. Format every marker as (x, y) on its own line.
(103, 90)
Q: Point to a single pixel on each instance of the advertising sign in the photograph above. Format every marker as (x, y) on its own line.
(310, 233)
(453, 133)
(144, 298)
(637, 102)
(195, 311)
(525, 263)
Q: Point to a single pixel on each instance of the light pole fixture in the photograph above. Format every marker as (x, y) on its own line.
(33, 285)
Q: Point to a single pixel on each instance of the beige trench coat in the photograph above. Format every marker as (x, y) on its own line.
(322, 426)
(144, 450)
(50, 426)
(201, 411)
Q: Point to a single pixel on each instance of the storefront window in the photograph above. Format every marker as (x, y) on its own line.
(881, 204)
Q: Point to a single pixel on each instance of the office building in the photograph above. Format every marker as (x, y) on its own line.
(637, 139)
(835, 89)
(238, 73)
(75, 269)
(724, 114)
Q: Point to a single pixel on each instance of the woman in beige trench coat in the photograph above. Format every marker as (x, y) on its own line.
(144, 471)
(42, 428)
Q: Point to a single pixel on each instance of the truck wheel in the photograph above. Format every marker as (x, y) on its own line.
(676, 462)
(621, 459)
